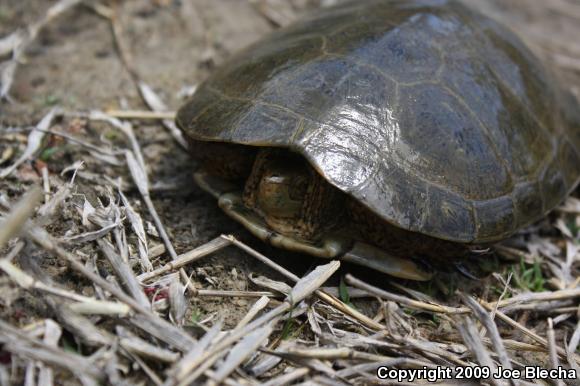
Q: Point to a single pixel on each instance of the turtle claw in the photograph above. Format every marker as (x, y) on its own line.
(377, 259)
(462, 269)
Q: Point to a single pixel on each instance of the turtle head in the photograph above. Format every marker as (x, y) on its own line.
(282, 190)
(290, 196)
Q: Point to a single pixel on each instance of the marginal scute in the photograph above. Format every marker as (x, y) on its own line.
(216, 118)
(553, 185)
(429, 114)
(450, 213)
(569, 160)
(405, 196)
(197, 106)
(571, 118)
(494, 217)
(528, 202)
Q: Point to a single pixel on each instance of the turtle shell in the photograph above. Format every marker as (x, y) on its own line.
(430, 114)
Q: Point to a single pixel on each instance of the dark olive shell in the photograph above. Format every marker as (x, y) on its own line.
(433, 116)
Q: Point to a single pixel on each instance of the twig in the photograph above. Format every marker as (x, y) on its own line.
(552, 350)
(85, 303)
(331, 300)
(288, 378)
(473, 341)
(78, 141)
(150, 98)
(21, 344)
(244, 348)
(42, 238)
(140, 178)
(238, 294)
(136, 345)
(186, 258)
(139, 230)
(156, 104)
(52, 334)
(530, 297)
(503, 293)
(80, 326)
(14, 222)
(525, 330)
(187, 363)
(141, 114)
(124, 273)
(34, 142)
(492, 331)
(45, 184)
(303, 288)
(402, 299)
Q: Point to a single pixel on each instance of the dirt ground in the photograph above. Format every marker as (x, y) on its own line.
(76, 63)
(174, 45)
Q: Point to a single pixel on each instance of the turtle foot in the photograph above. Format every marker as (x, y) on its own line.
(377, 259)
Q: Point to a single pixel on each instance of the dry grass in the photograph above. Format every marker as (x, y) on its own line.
(103, 287)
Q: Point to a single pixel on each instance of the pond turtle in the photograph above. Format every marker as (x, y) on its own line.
(381, 131)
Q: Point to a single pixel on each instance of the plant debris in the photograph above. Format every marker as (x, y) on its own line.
(114, 269)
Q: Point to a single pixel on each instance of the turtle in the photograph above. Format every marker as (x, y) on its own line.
(385, 133)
